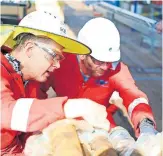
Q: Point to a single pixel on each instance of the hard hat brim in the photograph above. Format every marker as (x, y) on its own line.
(106, 56)
(9, 32)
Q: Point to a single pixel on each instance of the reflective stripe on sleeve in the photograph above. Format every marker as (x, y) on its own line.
(135, 103)
(20, 114)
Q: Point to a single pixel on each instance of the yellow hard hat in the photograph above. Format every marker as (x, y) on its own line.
(41, 23)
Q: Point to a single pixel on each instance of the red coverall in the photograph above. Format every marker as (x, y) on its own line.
(68, 80)
(21, 111)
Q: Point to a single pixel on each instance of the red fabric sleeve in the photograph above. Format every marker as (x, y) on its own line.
(139, 113)
(45, 112)
(125, 85)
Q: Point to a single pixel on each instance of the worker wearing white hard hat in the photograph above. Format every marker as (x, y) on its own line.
(98, 75)
(103, 39)
(37, 45)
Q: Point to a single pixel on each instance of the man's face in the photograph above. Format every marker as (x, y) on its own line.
(96, 68)
(42, 60)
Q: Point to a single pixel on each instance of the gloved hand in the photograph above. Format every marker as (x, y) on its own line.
(94, 113)
(149, 143)
(147, 126)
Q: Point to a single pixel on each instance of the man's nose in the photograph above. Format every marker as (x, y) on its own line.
(56, 64)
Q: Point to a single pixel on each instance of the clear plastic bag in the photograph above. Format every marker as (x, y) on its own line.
(122, 141)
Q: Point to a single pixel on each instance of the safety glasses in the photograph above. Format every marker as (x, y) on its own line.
(100, 63)
(51, 53)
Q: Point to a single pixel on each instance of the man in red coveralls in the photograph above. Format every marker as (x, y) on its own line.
(37, 48)
(98, 75)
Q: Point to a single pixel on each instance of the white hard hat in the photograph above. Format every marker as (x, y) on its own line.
(43, 20)
(103, 38)
(41, 23)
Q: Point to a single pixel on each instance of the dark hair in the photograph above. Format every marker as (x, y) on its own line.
(23, 37)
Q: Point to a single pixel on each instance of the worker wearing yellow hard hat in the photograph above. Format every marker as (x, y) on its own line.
(36, 23)
(37, 44)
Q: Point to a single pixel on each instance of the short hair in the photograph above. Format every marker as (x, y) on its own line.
(23, 37)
